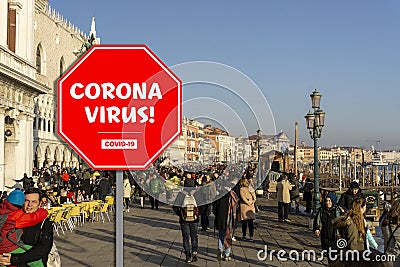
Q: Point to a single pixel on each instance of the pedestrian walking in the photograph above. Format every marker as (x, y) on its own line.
(295, 194)
(142, 193)
(347, 199)
(156, 185)
(185, 207)
(323, 226)
(354, 226)
(391, 222)
(307, 194)
(247, 208)
(209, 192)
(283, 195)
(357, 235)
(127, 193)
(225, 211)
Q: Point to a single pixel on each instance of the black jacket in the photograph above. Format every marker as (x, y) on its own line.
(41, 240)
(323, 222)
(220, 210)
(347, 199)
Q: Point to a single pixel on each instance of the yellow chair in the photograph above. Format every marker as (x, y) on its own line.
(96, 210)
(57, 221)
(76, 215)
(111, 203)
(66, 219)
(100, 210)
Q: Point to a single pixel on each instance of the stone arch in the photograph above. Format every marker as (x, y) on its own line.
(66, 157)
(58, 156)
(75, 159)
(48, 157)
(40, 60)
(38, 157)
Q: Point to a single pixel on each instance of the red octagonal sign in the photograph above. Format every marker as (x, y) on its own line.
(119, 107)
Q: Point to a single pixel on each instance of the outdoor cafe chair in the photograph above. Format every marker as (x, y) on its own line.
(66, 219)
(57, 221)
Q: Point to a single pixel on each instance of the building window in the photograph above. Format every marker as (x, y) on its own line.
(11, 29)
(38, 60)
(8, 120)
(48, 125)
(62, 64)
(40, 124)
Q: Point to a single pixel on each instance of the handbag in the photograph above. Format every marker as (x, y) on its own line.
(54, 259)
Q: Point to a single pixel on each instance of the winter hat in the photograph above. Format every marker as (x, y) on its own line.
(333, 198)
(354, 184)
(16, 197)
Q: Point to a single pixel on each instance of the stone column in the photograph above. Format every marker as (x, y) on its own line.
(27, 120)
(40, 162)
(2, 149)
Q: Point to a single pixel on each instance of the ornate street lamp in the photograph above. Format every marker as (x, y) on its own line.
(315, 121)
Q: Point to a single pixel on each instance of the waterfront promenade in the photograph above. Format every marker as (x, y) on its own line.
(153, 238)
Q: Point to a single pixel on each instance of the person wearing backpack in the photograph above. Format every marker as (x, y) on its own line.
(186, 208)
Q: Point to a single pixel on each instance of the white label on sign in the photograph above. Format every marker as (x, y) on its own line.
(118, 143)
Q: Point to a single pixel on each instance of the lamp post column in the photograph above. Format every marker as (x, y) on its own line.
(317, 202)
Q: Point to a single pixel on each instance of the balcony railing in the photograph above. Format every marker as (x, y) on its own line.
(16, 63)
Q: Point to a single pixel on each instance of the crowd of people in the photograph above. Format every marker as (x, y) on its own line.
(229, 194)
(344, 220)
(226, 192)
(336, 219)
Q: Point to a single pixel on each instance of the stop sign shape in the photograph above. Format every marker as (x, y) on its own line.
(119, 107)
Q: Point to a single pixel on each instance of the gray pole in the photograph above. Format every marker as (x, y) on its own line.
(316, 176)
(119, 220)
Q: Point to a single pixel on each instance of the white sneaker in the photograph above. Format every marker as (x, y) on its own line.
(233, 238)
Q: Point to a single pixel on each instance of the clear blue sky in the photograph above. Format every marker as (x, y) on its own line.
(348, 50)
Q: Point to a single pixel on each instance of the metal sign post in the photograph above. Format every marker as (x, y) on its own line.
(119, 217)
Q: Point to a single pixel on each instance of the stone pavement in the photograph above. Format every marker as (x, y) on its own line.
(92, 244)
(153, 238)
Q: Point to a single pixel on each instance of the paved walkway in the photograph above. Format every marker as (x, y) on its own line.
(92, 244)
(153, 238)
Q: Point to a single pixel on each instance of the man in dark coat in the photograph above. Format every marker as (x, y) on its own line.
(104, 188)
(39, 236)
(27, 182)
(346, 200)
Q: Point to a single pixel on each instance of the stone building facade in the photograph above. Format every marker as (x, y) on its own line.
(36, 46)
